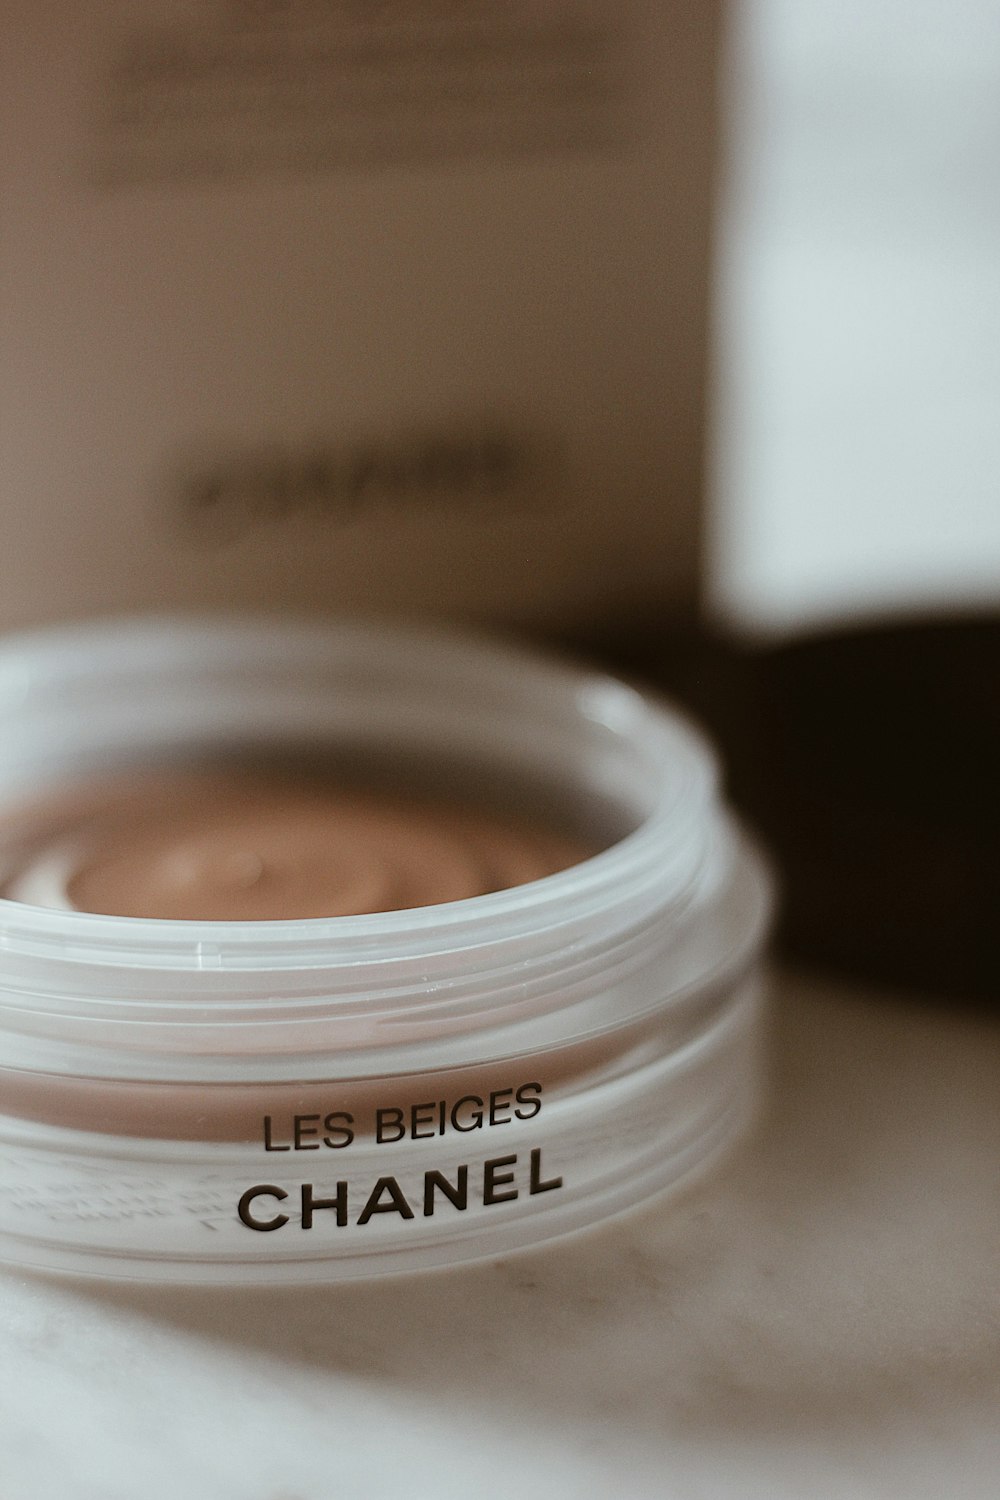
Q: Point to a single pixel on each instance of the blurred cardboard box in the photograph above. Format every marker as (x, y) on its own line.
(394, 307)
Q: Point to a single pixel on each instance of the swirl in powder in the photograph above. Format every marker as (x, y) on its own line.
(230, 844)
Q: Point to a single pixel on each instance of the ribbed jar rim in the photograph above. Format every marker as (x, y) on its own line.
(122, 978)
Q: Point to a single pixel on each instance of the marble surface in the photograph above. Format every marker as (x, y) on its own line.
(820, 1319)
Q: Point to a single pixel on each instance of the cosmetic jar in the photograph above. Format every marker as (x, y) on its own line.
(329, 1098)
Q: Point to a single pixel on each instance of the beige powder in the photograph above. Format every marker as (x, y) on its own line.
(229, 843)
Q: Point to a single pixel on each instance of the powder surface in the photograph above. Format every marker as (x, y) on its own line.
(232, 844)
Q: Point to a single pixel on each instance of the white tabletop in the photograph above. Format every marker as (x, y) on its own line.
(821, 1319)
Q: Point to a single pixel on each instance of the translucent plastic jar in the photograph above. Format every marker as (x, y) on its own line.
(342, 1097)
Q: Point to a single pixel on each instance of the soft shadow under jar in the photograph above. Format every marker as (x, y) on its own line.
(326, 1097)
